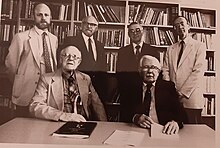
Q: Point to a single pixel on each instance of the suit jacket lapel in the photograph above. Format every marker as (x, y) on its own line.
(83, 90)
(33, 39)
(186, 52)
(174, 54)
(57, 89)
(53, 45)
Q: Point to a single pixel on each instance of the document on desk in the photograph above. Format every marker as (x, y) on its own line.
(125, 138)
(156, 132)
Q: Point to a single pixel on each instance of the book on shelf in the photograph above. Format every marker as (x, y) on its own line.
(72, 129)
(209, 106)
(210, 84)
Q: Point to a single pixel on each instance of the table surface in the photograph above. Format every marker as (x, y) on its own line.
(26, 131)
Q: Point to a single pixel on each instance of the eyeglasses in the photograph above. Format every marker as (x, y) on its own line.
(152, 67)
(137, 30)
(67, 55)
(90, 24)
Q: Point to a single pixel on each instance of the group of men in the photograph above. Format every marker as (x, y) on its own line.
(170, 95)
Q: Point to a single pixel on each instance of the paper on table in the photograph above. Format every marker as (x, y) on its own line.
(125, 138)
(156, 132)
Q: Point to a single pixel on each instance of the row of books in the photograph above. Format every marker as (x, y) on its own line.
(60, 31)
(111, 37)
(7, 32)
(104, 13)
(144, 14)
(58, 11)
(9, 9)
(157, 36)
(205, 38)
(210, 84)
(111, 59)
(198, 19)
(210, 62)
(209, 107)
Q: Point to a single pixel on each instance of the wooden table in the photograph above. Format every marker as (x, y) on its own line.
(26, 132)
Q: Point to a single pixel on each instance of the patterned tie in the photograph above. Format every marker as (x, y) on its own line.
(74, 95)
(48, 67)
(181, 52)
(147, 99)
(90, 48)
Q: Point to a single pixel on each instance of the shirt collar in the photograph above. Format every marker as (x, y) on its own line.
(186, 40)
(141, 44)
(66, 75)
(86, 37)
(145, 84)
(39, 31)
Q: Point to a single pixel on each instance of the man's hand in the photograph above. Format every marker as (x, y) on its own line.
(171, 128)
(143, 121)
(72, 117)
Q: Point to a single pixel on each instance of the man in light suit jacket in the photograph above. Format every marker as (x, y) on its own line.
(94, 59)
(156, 100)
(184, 64)
(25, 61)
(67, 94)
(127, 66)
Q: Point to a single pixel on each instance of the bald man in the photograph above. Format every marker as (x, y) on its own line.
(156, 99)
(93, 55)
(67, 94)
(31, 53)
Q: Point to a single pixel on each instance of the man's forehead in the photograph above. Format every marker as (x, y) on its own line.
(135, 26)
(42, 8)
(91, 20)
(72, 50)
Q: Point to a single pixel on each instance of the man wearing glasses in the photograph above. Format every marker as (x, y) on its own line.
(93, 54)
(156, 99)
(127, 68)
(67, 94)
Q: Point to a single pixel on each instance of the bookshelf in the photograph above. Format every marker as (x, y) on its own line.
(114, 16)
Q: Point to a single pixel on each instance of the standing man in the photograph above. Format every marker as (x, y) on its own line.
(184, 64)
(93, 54)
(127, 67)
(156, 99)
(31, 53)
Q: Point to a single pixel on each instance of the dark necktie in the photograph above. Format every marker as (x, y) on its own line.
(181, 52)
(90, 48)
(147, 99)
(74, 94)
(48, 67)
(137, 51)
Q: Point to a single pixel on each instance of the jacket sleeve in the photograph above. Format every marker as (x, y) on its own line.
(13, 58)
(39, 106)
(198, 71)
(165, 68)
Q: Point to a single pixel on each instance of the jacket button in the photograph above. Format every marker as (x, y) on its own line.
(36, 83)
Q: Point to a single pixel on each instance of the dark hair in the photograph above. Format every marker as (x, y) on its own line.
(175, 18)
(133, 23)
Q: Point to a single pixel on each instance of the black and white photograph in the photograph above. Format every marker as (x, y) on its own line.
(109, 73)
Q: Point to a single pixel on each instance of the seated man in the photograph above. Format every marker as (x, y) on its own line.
(67, 94)
(158, 99)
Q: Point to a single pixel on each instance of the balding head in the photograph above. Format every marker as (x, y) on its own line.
(42, 16)
(149, 68)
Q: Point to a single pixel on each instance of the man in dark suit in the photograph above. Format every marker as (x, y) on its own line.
(156, 100)
(127, 65)
(93, 54)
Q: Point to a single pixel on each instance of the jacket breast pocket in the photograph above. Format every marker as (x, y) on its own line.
(18, 85)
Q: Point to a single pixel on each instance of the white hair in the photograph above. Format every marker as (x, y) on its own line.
(154, 61)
